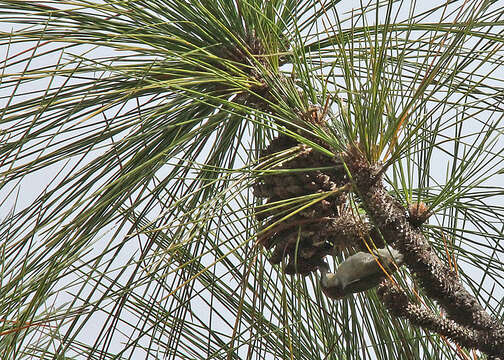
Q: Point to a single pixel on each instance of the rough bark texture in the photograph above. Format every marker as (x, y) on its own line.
(488, 341)
(438, 281)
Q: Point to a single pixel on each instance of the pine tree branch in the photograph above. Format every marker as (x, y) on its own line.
(439, 282)
(490, 342)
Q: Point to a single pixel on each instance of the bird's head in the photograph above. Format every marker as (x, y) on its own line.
(330, 283)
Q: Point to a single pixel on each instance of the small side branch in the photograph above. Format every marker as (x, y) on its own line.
(467, 319)
(489, 342)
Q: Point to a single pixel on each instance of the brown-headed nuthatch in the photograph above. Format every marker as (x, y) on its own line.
(359, 272)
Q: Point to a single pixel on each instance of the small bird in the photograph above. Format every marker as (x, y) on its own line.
(359, 272)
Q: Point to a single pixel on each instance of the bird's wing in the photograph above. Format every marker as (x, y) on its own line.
(359, 285)
(358, 271)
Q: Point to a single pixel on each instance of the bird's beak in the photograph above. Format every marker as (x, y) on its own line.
(323, 268)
